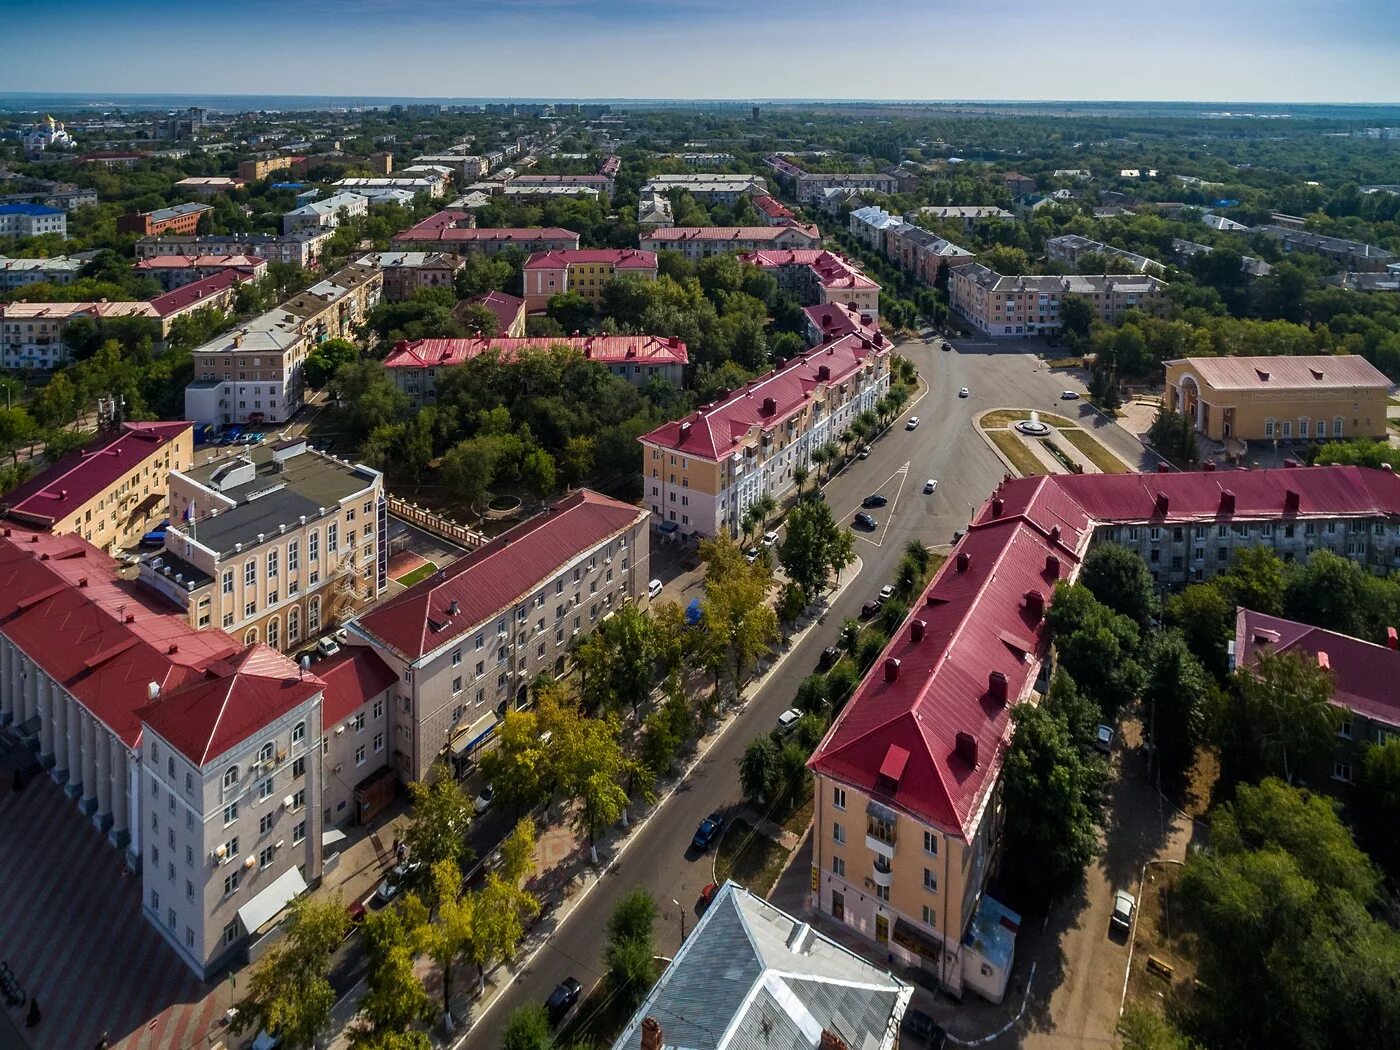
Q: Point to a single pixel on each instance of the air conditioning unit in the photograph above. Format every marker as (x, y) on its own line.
(339, 730)
(279, 844)
(281, 756)
(337, 768)
(287, 802)
(249, 861)
(220, 853)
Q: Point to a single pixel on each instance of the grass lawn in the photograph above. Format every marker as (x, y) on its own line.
(410, 578)
(1065, 362)
(1101, 457)
(799, 818)
(749, 858)
(1163, 933)
(599, 1019)
(1021, 459)
(1006, 416)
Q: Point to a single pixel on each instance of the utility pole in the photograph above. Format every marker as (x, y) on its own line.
(681, 912)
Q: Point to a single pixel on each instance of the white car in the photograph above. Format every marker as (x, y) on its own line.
(394, 881)
(483, 801)
(886, 593)
(963, 392)
(1124, 904)
(1069, 395)
(328, 647)
(864, 452)
(788, 719)
(912, 424)
(653, 588)
(1103, 738)
(751, 555)
(770, 538)
(931, 485)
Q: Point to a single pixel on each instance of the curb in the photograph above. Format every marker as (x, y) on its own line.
(1132, 932)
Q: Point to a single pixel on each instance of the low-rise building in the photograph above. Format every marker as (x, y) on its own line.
(456, 231)
(999, 306)
(275, 544)
(406, 272)
(967, 214)
(415, 364)
(701, 473)
(654, 212)
(464, 165)
(710, 189)
(114, 160)
(218, 291)
(1352, 255)
(17, 273)
(1071, 247)
(772, 211)
(32, 220)
(1185, 251)
(1280, 398)
(206, 186)
(701, 242)
(110, 492)
(181, 218)
(582, 270)
(600, 182)
(1017, 184)
(32, 334)
(257, 168)
(509, 311)
(925, 255)
(357, 781)
(465, 642)
(810, 185)
(302, 248)
(176, 271)
(817, 276)
(62, 195)
(428, 185)
(513, 191)
(868, 225)
(325, 214)
(1389, 281)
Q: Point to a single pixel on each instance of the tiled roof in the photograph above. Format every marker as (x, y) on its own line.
(619, 258)
(353, 677)
(191, 295)
(1363, 673)
(717, 430)
(830, 269)
(492, 579)
(78, 477)
(1286, 372)
(201, 262)
(506, 307)
(232, 702)
(733, 233)
(772, 208)
(101, 638)
(608, 349)
(444, 227)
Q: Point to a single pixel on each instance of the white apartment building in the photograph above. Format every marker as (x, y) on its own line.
(32, 220)
(326, 213)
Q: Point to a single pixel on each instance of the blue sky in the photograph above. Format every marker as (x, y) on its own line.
(1254, 50)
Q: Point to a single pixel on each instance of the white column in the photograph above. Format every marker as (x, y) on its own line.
(90, 731)
(31, 690)
(102, 748)
(119, 759)
(48, 693)
(76, 715)
(7, 681)
(59, 771)
(133, 812)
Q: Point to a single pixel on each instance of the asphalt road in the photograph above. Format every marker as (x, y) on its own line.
(945, 446)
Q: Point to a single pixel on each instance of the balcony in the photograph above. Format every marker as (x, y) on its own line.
(882, 874)
(880, 837)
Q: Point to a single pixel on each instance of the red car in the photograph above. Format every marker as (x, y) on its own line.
(708, 894)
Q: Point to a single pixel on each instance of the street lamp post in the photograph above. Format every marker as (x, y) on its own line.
(681, 912)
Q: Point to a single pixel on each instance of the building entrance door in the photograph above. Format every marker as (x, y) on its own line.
(882, 929)
(838, 905)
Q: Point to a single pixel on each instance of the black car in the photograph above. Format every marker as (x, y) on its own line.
(869, 609)
(830, 655)
(865, 521)
(562, 999)
(707, 832)
(924, 1030)
(876, 500)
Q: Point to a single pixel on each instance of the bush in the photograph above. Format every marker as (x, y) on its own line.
(871, 646)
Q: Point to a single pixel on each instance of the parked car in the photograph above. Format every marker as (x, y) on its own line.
(874, 500)
(751, 555)
(1124, 904)
(1103, 738)
(923, 1030)
(1068, 395)
(328, 646)
(483, 801)
(869, 609)
(770, 538)
(865, 521)
(653, 588)
(930, 486)
(156, 537)
(864, 452)
(912, 424)
(707, 832)
(830, 655)
(401, 875)
(947, 346)
(963, 392)
(788, 719)
(355, 912)
(562, 999)
(886, 593)
(708, 894)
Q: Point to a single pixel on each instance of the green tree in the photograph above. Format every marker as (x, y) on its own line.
(1283, 720)
(1255, 581)
(395, 998)
(17, 430)
(631, 946)
(1142, 1028)
(1206, 620)
(1330, 591)
(813, 547)
(538, 472)
(1378, 790)
(1077, 315)
(445, 939)
(441, 813)
(631, 642)
(1119, 578)
(1174, 704)
(289, 993)
(325, 361)
(759, 773)
(735, 609)
(1097, 646)
(528, 1029)
(498, 913)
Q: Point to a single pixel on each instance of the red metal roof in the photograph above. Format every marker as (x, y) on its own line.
(231, 703)
(80, 476)
(618, 258)
(560, 180)
(201, 262)
(1288, 372)
(1363, 673)
(607, 349)
(191, 295)
(493, 578)
(102, 639)
(444, 227)
(732, 233)
(506, 307)
(353, 677)
(716, 430)
(830, 269)
(835, 320)
(772, 208)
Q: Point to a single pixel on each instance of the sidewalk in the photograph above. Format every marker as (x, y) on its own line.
(564, 876)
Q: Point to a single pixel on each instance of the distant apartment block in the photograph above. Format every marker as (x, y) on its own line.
(1017, 184)
(182, 218)
(701, 242)
(868, 225)
(513, 192)
(114, 160)
(257, 168)
(508, 309)
(967, 214)
(325, 214)
(1188, 250)
(585, 271)
(817, 277)
(204, 187)
(1070, 248)
(709, 189)
(772, 211)
(218, 291)
(175, 271)
(1353, 255)
(456, 231)
(407, 272)
(32, 220)
(923, 254)
(654, 212)
(464, 165)
(429, 186)
(17, 273)
(62, 195)
(1001, 306)
(811, 184)
(302, 248)
(31, 334)
(601, 183)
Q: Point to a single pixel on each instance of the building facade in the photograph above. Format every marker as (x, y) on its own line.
(810, 185)
(179, 219)
(176, 271)
(32, 220)
(456, 231)
(1070, 248)
(701, 472)
(17, 273)
(818, 277)
(302, 248)
(32, 334)
(585, 271)
(1025, 306)
(325, 214)
(711, 189)
(701, 242)
(407, 272)
(1353, 256)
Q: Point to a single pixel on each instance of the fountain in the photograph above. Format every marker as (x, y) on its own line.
(1033, 426)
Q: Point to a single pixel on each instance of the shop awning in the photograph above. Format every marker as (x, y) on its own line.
(271, 900)
(907, 935)
(479, 731)
(331, 837)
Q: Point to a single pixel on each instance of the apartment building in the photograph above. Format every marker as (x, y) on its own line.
(260, 167)
(302, 248)
(509, 311)
(925, 255)
(831, 321)
(414, 364)
(512, 191)
(600, 182)
(276, 544)
(967, 214)
(868, 225)
(253, 373)
(1185, 251)
(406, 272)
(908, 811)
(654, 212)
(114, 160)
(31, 334)
(51, 194)
(818, 277)
(773, 212)
(709, 189)
(701, 242)
(999, 306)
(176, 271)
(465, 643)
(701, 472)
(463, 165)
(32, 220)
(1351, 255)
(17, 273)
(179, 219)
(1280, 398)
(217, 292)
(1363, 686)
(325, 214)
(429, 185)
(1070, 248)
(357, 781)
(1017, 184)
(456, 231)
(810, 185)
(111, 491)
(582, 270)
(206, 186)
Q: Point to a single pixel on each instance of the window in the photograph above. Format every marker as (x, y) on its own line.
(250, 572)
(231, 933)
(457, 658)
(274, 630)
(298, 732)
(930, 880)
(930, 916)
(230, 813)
(313, 614)
(266, 752)
(838, 797)
(332, 538)
(456, 685)
(299, 766)
(838, 834)
(299, 832)
(265, 856)
(883, 893)
(378, 709)
(265, 823)
(378, 742)
(838, 867)
(313, 546)
(231, 882)
(299, 798)
(293, 561)
(1344, 727)
(293, 624)
(1341, 771)
(360, 755)
(265, 789)
(227, 584)
(272, 562)
(930, 843)
(230, 776)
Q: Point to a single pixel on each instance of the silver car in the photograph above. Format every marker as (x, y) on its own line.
(1124, 904)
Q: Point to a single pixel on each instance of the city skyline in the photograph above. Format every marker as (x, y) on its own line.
(1281, 52)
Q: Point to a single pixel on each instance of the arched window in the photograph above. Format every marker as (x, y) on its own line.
(298, 732)
(230, 776)
(313, 614)
(274, 632)
(1337, 426)
(293, 625)
(266, 752)
(251, 637)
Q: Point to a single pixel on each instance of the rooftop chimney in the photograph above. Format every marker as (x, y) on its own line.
(997, 506)
(453, 608)
(1391, 641)
(1052, 565)
(1162, 503)
(830, 1041)
(1227, 502)
(997, 687)
(1163, 468)
(964, 560)
(918, 627)
(1290, 501)
(891, 669)
(1054, 534)
(1323, 662)
(1208, 466)
(651, 1033)
(1035, 605)
(965, 747)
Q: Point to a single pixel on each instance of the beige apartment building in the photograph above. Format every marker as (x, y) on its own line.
(407, 272)
(301, 248)
(32, 334)
(465, 643)
(1281, 398)
(701, 472)
(701, 242)
(1025, 306)
(275, 544)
